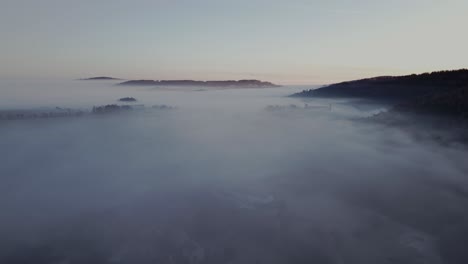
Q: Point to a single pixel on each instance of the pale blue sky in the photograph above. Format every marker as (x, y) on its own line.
(282, 41)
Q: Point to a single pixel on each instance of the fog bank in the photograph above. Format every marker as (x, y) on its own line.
(222, 179)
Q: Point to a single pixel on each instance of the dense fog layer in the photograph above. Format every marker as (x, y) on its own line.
(222, 178)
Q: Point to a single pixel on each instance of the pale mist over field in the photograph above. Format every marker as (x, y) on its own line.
(222, 178)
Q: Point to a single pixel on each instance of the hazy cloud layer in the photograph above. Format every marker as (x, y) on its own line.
(222, 182)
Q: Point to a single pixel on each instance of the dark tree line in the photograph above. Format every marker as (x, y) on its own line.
(394, 88)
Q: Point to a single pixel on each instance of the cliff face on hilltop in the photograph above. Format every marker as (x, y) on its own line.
(394, 88)
(230, 83)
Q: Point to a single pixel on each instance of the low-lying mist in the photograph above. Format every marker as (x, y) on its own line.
(223, 179)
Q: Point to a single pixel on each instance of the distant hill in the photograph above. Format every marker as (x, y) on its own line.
(230, 83)
(127, 99)
(140, 82)
(99, 78)
(391, 88)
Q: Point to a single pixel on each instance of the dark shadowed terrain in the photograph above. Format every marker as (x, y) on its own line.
(394, 88)
(431, 103)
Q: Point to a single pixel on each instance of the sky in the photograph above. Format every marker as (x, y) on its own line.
(287, 42)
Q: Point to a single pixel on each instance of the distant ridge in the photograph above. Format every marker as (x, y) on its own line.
(229, 83)
(99, 78)
(394, 88)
